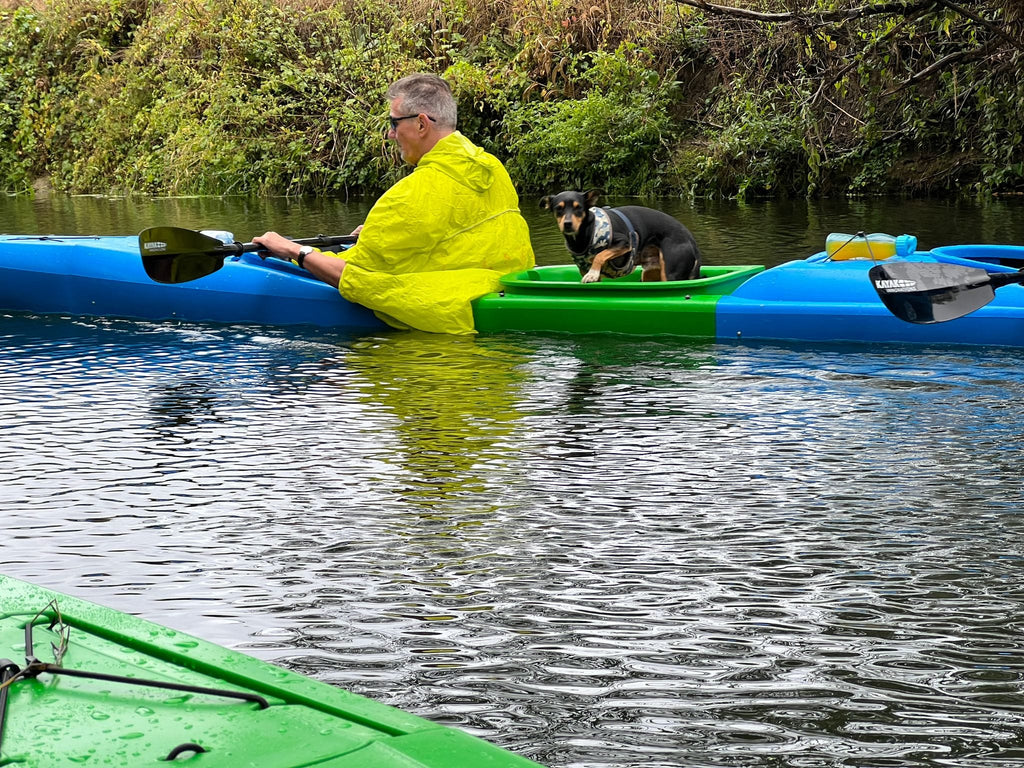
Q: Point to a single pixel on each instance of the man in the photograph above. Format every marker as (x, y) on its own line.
(440, 237)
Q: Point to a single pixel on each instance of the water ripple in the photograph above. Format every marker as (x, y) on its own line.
(597, 552)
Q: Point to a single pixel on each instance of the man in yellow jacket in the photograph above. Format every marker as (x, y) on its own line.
(440, 237)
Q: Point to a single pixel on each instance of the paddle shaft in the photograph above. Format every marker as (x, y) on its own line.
(237, 249)
(176, 255)
(999, 279)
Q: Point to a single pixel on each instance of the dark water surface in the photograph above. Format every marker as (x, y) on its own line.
(599, 552)
(729, 232)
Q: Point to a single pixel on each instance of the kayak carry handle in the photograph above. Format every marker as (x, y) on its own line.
(181, 749)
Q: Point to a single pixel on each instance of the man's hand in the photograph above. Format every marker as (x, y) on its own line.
(278, 245)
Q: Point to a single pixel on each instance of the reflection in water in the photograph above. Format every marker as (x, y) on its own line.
(595, 551)
(181, 406)
(729, 231)
(607, 368)
(244, 216)
(452, 401)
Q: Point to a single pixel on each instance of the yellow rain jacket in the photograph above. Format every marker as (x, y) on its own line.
(438, 239)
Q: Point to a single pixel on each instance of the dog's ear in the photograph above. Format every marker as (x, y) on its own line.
(592, 195)
(545, 202)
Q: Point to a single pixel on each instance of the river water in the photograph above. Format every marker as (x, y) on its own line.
(598, 552)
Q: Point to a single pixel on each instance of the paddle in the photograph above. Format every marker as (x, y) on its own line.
(933, 292)
(176, 255)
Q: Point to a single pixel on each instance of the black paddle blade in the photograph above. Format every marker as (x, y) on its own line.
(926, 292)
(176, 255)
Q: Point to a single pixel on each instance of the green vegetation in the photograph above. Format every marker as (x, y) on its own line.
(659, 97)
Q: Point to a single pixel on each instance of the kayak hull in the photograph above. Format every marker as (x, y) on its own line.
(552, 299)
(55, 720)
(816, 300)
(103, 277)
(809, 300)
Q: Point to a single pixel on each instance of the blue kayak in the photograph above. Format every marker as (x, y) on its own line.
(819, 300)
(104, 277)
(816, 299)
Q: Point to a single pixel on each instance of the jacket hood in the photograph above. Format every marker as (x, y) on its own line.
(458, 158)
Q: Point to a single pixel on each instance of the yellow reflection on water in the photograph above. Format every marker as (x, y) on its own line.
(454, 403)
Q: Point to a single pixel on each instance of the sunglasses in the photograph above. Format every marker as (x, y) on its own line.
(396, 120)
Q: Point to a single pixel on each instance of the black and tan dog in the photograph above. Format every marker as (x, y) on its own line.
(614, 241)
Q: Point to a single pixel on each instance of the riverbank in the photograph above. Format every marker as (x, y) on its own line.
(662, 98)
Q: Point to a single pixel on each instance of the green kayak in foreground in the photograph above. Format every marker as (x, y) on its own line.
(81, 684)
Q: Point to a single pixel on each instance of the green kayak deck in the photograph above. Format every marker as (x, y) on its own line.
(63, 702)
(553, 299)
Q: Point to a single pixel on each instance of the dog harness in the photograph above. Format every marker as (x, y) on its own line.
(601, 238)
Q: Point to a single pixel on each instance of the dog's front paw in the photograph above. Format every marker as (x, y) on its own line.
(592, 276)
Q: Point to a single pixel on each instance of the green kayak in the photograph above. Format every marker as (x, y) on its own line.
(81, 684)
(554, 299)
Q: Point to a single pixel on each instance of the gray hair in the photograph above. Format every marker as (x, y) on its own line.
(427, 94)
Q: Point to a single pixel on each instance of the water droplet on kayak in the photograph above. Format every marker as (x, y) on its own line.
(100, 716)
(144, 711)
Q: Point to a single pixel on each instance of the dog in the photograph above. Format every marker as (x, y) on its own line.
(613, 241)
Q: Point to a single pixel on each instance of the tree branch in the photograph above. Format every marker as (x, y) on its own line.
(832, 17)
(824, 17)
(939, 65)
(995, 28)
(854, 62)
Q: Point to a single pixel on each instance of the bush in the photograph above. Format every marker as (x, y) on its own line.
(632, 96)
(615, 136)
